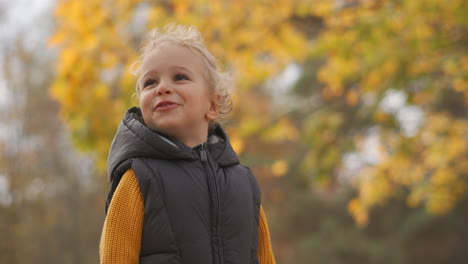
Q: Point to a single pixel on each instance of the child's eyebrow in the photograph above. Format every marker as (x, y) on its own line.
(148, 72)
(183, 68)
(155, 72)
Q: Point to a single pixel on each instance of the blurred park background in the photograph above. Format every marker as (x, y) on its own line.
(353, 114)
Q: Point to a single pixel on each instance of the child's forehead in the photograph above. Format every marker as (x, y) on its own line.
(176, 55)
(170, 51)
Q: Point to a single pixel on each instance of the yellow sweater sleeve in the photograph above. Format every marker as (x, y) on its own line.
(121, 234)
(264, 252)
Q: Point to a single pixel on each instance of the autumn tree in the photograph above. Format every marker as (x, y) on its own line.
(416, 51)
(99, 41)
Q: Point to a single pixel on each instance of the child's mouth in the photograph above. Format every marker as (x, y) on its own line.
(166, 105)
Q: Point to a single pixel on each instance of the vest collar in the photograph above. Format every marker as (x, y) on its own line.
(135, 140)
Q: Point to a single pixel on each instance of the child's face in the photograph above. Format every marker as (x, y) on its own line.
(175, 98)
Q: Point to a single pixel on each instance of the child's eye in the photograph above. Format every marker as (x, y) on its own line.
(180, 77)
(149, 82)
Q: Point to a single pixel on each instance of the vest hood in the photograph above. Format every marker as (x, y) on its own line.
(135, 140)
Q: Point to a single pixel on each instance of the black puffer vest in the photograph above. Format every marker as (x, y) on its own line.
(201, 204)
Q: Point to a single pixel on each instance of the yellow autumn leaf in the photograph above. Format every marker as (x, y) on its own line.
(279, 168)
(359, 213)
(237, 143)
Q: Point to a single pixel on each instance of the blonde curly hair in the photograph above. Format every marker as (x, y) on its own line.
(221, 82)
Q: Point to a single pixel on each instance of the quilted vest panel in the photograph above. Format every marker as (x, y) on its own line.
(198, 212)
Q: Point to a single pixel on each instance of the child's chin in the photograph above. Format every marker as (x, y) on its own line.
(165, 130)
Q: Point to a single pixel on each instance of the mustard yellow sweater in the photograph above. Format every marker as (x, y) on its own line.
(121, 234)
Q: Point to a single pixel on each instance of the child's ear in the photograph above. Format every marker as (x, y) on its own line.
(213, 111)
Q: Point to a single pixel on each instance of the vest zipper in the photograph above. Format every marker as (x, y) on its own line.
(203, 155)
(204, 158)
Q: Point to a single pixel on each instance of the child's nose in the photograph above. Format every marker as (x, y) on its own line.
(163, 89)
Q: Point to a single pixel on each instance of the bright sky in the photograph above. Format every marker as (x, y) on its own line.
(20, 16)
(22, 12)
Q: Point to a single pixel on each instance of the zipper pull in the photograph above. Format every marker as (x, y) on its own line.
(203, 155)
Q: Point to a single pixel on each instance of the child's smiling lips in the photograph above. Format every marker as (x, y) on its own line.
(165, 105)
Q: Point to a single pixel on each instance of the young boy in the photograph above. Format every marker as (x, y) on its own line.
(178, 192)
